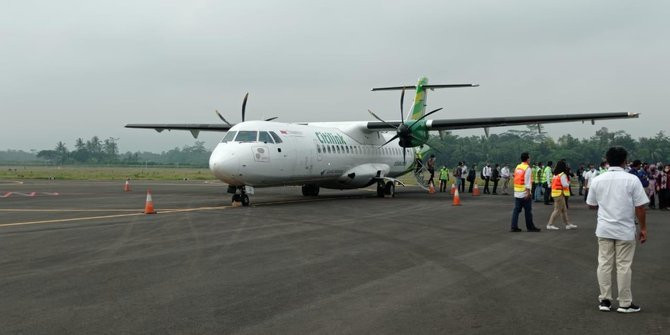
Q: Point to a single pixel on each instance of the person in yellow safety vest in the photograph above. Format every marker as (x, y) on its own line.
(546, 181)
(418, 162)
(535, 179)
(444, 178)
(523, 178)
(560, 191)
(538, 189)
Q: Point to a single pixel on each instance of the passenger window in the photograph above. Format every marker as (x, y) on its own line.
(246, 136)
(338, 148)
(347, 149)
(328, 146)
(276, 137)
(229, 136)
(264, 137)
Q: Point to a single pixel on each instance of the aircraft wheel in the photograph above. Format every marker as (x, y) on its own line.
(237, 198)
(389, 189)
(310, 190)
(245, 200)
(380, 189)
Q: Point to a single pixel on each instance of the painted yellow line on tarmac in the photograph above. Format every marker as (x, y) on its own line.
(110, 216)
(29, 210)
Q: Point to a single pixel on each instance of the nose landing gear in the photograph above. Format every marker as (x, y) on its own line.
(241, 198)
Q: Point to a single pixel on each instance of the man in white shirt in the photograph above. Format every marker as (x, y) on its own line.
(588, 176)
(486, 173)
(504, 173)
(619, 198)
(464, 173)
(522, 198)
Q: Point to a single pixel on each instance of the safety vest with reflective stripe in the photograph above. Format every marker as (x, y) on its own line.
(557, 187)
(543, 175)
(520, 177)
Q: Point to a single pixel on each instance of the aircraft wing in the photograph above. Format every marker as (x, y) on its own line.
(448, 124)
(194, 128)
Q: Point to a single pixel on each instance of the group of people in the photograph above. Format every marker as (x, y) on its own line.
(655, 179)
(619, 194)
(491, 175)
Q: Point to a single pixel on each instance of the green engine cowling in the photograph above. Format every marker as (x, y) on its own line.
(412, 134)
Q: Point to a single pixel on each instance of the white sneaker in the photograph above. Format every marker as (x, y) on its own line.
(552, 227)
(571, 226)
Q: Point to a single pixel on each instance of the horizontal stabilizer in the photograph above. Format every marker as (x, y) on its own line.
(397, 88)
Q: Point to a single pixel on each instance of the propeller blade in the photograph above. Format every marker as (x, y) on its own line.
(222, 118)
(424, 116)
(244, 105)
(272, 118)
(378, 118)
(402, 99)
(389, 141)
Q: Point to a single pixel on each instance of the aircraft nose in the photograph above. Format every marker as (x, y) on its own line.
(224, 164)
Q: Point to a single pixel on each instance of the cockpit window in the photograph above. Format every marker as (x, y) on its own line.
(264, 137)
(276, 137)
(229, 136)
(246, 136)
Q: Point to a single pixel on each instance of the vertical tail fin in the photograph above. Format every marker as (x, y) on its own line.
(419, 105)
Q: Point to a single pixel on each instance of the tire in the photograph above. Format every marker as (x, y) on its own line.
(389, 189)
(310, 190)
(245, 200)
(380, 189)
(237, 198)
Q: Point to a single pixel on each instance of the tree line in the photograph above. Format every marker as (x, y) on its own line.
(104, 152)
(507, 147)
(448, 148)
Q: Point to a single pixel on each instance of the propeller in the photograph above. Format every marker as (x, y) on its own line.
(403, 131)
(244, 105)
(244, 109)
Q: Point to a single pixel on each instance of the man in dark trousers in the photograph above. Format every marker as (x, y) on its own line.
(522, 197)
(546, 181)
(472, 177)
(495, 176)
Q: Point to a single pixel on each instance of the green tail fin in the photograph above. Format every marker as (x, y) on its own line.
(419, 105)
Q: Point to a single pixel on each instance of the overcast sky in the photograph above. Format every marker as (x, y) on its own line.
(73, 69)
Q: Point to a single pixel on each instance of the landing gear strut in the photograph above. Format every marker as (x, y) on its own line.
(242, 197)
(385, 189)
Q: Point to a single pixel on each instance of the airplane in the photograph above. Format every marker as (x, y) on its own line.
(340, 155)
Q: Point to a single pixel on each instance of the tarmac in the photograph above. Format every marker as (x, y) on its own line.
(80, 257)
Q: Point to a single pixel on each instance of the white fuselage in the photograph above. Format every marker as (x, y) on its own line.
(331, 155)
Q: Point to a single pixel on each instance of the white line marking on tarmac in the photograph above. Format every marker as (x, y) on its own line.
(110, 216)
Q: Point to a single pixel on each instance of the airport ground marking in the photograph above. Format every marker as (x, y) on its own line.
(181, 210)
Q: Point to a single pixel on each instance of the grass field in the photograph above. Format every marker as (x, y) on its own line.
(103, 173)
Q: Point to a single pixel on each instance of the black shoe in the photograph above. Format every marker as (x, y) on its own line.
(605, 306)
(515, 230)
(630, 309)
(534, 230)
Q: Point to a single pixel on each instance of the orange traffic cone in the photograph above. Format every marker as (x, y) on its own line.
(457, 199)
(431, 188)
(149, 206)
(475, 191)
(126, 187)
(453, 189)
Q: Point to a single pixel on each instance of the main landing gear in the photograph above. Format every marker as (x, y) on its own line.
(310, 190)
(241, 197)
(385, 189)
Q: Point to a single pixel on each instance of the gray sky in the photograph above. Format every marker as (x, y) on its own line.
(73, 69)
